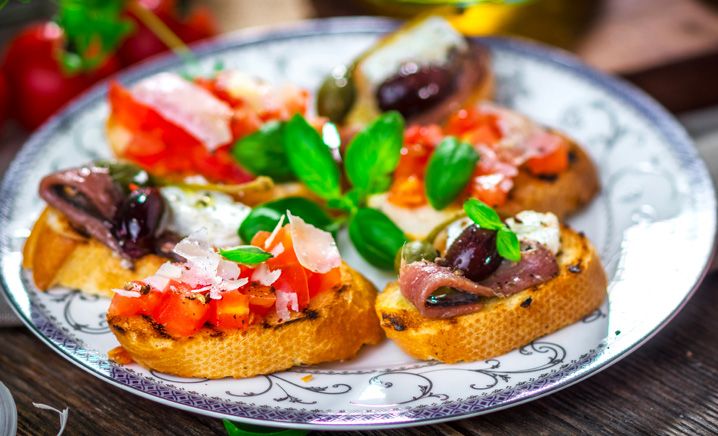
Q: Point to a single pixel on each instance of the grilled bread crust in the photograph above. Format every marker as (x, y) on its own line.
(562, 194)
(59, 256)
(503, 324)
(334, 327)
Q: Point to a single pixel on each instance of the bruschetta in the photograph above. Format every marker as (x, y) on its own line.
(213, 317)
(106, 224)
(459, 299)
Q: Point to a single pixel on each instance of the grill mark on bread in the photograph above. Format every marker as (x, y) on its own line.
(394, 322)
(158, 328)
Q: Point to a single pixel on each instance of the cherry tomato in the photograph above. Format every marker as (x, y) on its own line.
(4, 99)
(38, 85)
(143, 43)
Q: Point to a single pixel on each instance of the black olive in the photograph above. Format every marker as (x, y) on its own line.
(474, 253)
(450, 297)
(138, 220)
(415, 89)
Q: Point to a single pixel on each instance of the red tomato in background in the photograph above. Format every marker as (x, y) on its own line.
(4, 98)
(142, 43)
(38, 85)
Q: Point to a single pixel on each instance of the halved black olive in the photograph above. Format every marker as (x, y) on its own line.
(474, 253)
(415, 89)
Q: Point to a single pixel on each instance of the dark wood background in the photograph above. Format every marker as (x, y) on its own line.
(668, 386)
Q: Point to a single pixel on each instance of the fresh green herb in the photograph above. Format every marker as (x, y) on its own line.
(310, 159)
(262, 152)
(507, 244)
(374, 153)
(449, 170)
(266, 216)
(93, 29)
(246, 254)
(376, 237)
(241, 429)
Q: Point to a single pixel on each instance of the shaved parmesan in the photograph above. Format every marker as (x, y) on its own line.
(264, 276)
(276, 230)
(315, 248)
(126, 293)
(286, 301)
(187, 105)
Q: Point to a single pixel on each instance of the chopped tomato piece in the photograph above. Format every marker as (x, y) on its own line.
(129, 306)
(488, 189)
(294, 280)
(260, 238)
(408, 192)
(261, 299)
(231, 311)
(323, 282)
(552, 163)
(474, 126)
(181, 315)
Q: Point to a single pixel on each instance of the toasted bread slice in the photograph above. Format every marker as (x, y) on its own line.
(59, 256)
(503, 324)
(334, 327)
(563, 194)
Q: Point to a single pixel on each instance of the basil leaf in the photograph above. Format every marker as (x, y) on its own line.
(262, 152)
(374, 153)
(246, 254)
(448, 171)
(483, 215)
(267, 215)
(376, 237)
(310, 159)
(241, 429)
(507, 244)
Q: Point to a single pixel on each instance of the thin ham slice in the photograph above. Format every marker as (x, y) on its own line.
(187, 105)
(419, 280)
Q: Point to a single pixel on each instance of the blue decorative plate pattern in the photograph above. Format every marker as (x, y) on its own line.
(654, 224)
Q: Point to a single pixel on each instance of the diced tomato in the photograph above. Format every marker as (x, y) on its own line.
(261, 299)
(474, 126)
(124, 306)
(260, 238)
(552, 163)
(488, 189)
(408, 192)
(323, 282)
(231, 311)
(294, 280)
(129, 306)
(181, 315)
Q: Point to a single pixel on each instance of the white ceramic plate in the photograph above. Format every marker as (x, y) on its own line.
(653, 224)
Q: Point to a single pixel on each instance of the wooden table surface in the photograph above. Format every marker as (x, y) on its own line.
(668, 386)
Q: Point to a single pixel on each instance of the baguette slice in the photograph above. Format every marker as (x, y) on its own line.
(334, 327)
(59, 256)
(503, 324)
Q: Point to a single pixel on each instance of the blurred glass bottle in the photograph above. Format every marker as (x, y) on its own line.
(557, 22)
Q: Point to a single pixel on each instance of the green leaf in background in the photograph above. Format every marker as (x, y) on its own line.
(376, 237)
(449, 170)
(374, 153)
(93, 30)
(507, 244)
(262, 152)
(266, 216)
(311, 159)
(241, 429)
(245, 254)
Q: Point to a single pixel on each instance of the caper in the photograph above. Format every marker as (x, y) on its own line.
(415, 251)
(337, 94)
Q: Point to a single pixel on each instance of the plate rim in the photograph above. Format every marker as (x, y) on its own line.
(636, 99)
